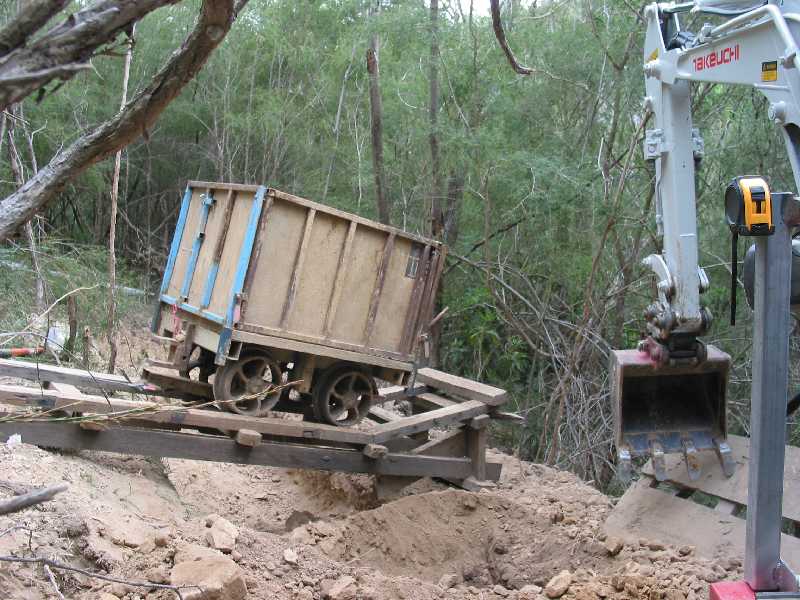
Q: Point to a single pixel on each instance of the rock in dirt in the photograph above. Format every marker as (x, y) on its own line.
(218, 578)
(191, 552)
(614, 545)
(500, 590)
(343, 588)
(558, 585)
(222, 535)
(290, 556)
(449, 580)
(529, 592)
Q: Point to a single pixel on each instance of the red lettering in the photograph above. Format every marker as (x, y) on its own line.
(716, 58)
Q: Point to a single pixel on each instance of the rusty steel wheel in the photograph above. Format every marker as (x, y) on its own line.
(343, 396)
(243, 386)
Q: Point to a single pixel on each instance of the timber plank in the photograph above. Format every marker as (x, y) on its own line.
(192, 446)
(338, 283)
(734, 489)
(645, 512)
(51, 399)
(55, 374)
(297, 271)
(430, 401)
(435, 418)
(380, 414)
(377, 290)
(461, 386)
(174, 385)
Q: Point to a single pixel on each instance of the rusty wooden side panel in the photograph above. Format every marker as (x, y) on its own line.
(314, 274)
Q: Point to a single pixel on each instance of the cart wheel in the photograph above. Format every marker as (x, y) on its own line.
(343, 396)
(204, 363)
(242, 386)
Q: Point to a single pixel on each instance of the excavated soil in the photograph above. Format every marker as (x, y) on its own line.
(309, 536)
(440, 542)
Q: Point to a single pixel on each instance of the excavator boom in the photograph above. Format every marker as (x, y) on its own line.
(669, 395)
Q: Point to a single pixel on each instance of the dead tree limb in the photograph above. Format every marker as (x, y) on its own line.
(54, 564)
(216, 18)
(33, 498)
(66, 48)
(500, 34)
(31, 17)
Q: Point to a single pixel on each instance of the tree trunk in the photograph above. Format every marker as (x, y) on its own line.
(112, 228)
(215, 20)
(376, 112)
(436, 212)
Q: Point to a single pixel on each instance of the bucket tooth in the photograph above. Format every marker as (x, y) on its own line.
(725, 457)
(624, 465)
(692, 459)
(659, 465)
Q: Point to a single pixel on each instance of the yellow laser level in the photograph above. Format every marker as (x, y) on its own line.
(748, 211)
(748, 206)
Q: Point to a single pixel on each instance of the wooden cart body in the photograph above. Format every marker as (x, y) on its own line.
(250, 265)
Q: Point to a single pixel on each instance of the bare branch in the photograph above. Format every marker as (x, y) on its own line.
(500, 34)
(67, 47)
(53, 564)
(216, 18)
(31, 499)
(31, 17)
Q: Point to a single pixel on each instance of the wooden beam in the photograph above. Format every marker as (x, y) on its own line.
(399, 392)
(176, 415)
(255, 255)
(297, 272)
(435, 418)
(414, 305)
(431, 401)
(265, 336)
(43, 372)
(192, 446)
(377, 290)
(381, 415)
(476, 449)
(461, 386)
(176, 386)
(230, 200)
(342, 269)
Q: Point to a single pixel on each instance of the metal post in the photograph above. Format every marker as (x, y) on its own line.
(768, 403)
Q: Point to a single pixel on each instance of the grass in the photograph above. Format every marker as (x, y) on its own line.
(66, 267)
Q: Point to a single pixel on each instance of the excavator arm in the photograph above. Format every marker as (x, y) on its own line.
(670, 393)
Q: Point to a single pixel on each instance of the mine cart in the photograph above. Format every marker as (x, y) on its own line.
(281, 303)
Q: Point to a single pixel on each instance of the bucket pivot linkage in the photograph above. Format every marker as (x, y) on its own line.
(666, 404)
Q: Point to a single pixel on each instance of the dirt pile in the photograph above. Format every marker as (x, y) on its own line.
(312, 536)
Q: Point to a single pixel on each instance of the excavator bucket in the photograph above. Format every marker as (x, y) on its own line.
(662, 409)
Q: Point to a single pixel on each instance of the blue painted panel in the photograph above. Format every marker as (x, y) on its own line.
(185, 306)
(176, 239)
(210, 281)
(168, 299)
(226, 335)
(244, 254)
(224, 346)
(208, 201)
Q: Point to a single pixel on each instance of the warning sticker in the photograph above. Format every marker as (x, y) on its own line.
(769, 71)
(653, 55)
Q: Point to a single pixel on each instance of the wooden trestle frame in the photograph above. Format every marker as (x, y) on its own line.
(394, 447)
